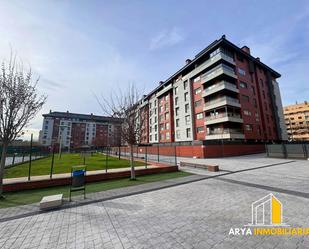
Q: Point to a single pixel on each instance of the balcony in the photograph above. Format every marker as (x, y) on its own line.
(216, 71)
(221, 102)
(223, 117)
(218, 87)
(224, 134)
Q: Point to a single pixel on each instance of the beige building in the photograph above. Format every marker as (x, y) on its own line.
(297, 121)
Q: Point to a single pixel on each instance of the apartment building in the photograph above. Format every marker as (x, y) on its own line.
(73, 130)
(223, 93)
(297, 121)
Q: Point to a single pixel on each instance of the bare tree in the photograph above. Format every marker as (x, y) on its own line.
(124, 104)
(19, 103)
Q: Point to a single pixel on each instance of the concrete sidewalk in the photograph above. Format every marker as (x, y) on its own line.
(18, 212)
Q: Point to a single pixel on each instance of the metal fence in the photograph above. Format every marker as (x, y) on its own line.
(288, 150)
(52, 160)
(165, 154)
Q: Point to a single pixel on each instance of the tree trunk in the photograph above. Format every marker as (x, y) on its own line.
(131, 163)
(2, 165)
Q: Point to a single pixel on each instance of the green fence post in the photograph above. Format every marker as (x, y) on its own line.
(30, 157)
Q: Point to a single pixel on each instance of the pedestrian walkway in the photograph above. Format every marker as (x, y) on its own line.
(66, 175)
(33, 209)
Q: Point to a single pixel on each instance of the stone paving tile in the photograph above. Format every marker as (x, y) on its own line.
(92, 197)
(194, 215)
(198, 215)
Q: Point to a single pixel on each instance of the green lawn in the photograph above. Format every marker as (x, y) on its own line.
(42, 166)
(32, 196)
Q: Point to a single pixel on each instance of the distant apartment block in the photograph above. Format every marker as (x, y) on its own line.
(223, 93)
(297, 121)
(74, 130)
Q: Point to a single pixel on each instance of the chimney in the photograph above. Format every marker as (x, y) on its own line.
(223, 36)
(258, 58)
(67, 111)
(188, 61)
(161, 82)
(50, 111)
(246, 49)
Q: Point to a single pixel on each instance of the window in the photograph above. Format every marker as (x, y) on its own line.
(166, 97)
(176, 90)
(188, 132)
(187, 118)
(248, 127)
(155, 128)
(197, 90)
(186, 95)
(198, 103)
(167, 135)
(247, 113)
(167, 126)
(257, 117)
(177, 122)
(199, 115)
(186, 108)
(197, 79)
(167, 115)
(254, 103)
(161, 127)
(245, 98)
(263, 94)
(185, 84)
(161, 118)
(253, 89)
(176, 101)
(200, 129)
(156, 137)
(161, 136)
(243, 84)
(241, 71)
(177, 111)
(177, 134)
(166, 106)
(160, 108)
(262, 82)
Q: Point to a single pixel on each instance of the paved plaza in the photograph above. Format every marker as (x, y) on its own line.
(198, 214)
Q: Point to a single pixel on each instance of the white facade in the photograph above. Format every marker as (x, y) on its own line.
(182, 110)
(153, 120)
(47, 131)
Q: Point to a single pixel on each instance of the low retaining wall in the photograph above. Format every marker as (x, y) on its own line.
(89, 178)
(201, 151)
(212, 168)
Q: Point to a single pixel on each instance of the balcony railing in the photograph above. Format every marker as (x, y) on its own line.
(224, 131)
(225, 98)
(217, 69)
(223, 115)
(221, 83)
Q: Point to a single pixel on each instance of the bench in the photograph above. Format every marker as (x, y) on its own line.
(212, 168)
(51, 202)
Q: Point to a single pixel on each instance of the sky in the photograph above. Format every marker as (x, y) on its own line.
(82, 48)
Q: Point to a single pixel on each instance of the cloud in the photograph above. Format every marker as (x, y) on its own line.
(166, 38)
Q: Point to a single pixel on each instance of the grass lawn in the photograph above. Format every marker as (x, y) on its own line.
(42, 166)
(32, 196)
